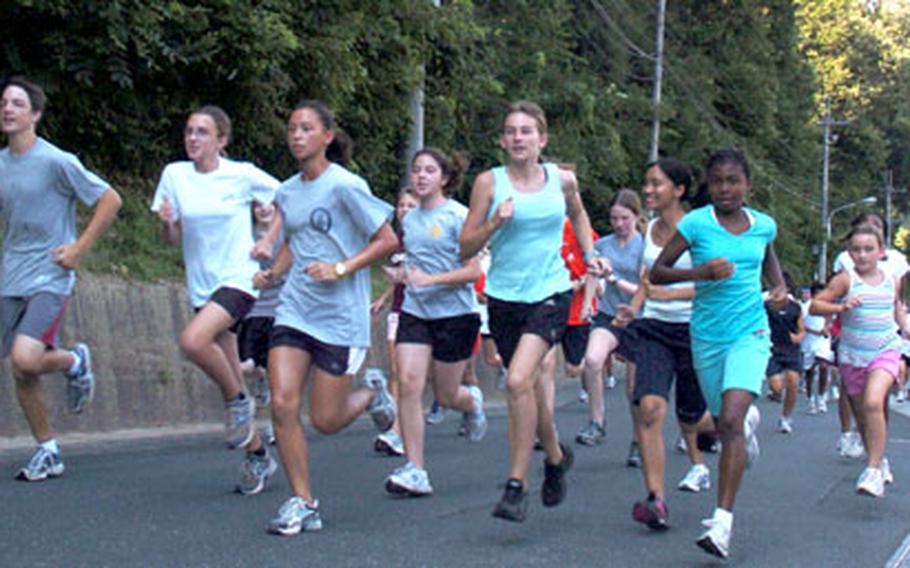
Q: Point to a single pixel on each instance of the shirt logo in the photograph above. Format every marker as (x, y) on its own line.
(436, 231)
(321, 220)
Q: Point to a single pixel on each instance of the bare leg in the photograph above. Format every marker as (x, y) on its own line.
(733, 451)
(651, 412)
(31, 359)
(414, 360)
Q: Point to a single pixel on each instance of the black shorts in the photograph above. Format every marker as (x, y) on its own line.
(338, 360)
(575, 343)
(236, 303)
(624, 335)
(253, 339)
(662, 350)
(452, 339)
(779, 363)
(510, 320)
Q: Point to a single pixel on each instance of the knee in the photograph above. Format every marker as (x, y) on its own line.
(190, 344)
(594, 363)
(324, 421)
(285, 409)
(26, 366)
(519, 384)
(409, 386)
(872, 407)
(729, 426)
(651, 411)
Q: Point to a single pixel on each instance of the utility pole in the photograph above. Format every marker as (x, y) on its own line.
(889, 191)
(658, 77)
(827, 123)
(415, 109)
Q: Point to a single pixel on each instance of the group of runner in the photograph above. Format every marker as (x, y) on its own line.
(282, 264)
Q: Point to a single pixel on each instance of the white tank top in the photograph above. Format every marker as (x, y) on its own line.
(673, 311)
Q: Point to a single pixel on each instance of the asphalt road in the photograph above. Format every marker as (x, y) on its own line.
(168, 501)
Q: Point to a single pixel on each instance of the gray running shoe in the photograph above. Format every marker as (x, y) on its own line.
(697, 479)
(238, 420)
(436, 414)
(476, 422)
(43, 464)
(80, 386)
(255, 471)
(263, 394)
(750, 429)
(591, 434)
(389, 443)
(295, 516)
(409, 480)
(268, 433)
(383, 408)
(501, 383)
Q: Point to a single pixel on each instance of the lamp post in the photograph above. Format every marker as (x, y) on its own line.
(823, 256)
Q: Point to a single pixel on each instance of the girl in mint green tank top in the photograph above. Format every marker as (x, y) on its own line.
(520, 209)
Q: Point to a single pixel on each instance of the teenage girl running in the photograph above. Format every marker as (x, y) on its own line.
(661, 349)
(205, 203)
(623, 248)
(438, 325)
(869, 352)
(334, 227)
(390, 442)
(731, 247)
(520, 208)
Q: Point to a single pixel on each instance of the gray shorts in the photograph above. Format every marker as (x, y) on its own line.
(37, 316)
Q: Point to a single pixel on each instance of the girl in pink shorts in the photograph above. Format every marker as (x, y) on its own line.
(869, 354)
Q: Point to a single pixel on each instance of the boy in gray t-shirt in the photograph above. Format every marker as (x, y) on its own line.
(39, 185)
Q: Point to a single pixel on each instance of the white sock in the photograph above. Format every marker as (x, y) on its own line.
(51, 445)
(77, 362)
(724, 517)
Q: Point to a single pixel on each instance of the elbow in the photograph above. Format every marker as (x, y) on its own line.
(657, 276)
(113, 199)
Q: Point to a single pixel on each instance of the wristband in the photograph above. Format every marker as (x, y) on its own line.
(591, 255)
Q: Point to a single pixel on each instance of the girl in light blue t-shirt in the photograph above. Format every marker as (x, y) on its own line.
(731, 248)
(333, 227)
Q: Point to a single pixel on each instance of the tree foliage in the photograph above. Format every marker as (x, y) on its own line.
(122, 76)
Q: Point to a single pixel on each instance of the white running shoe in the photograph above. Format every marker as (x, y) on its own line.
(834, 392)
(813, 405)
(476, 422)
(611, 382)
(901, 395)
(383, 408)
(750, 429)
(389, 443)
(697, 479)
(785, 425)
(887, 476)
(871, 482)
(681, 445)
(409, 480)
(583, 396)
(716, 539)
(854, 447)
(822, 405)
(294, 516)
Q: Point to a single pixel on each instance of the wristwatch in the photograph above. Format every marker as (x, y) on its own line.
(340, 269)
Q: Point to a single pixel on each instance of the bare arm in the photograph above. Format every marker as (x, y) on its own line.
(382, 300)
(581, 224)
(770, 270)
(263, 248)
(381, 244)
(70, 255)
(797, 338)
(477, 229)
(470, 272)
(825, 302)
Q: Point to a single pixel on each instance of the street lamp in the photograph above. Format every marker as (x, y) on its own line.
(823, 257)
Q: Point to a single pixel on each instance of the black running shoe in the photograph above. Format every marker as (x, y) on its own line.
(554, 478)
(514, 503)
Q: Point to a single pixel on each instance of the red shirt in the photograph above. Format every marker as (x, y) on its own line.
(578, 268)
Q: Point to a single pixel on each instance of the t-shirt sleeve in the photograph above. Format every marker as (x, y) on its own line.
(84, 184)
(367, 211)
(688, 226)
(900, 264)
(772, 229)
(839, 263)
(166, 189)
(262, 185)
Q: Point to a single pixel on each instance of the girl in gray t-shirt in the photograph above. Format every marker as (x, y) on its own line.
(333, 227)
(438, 324)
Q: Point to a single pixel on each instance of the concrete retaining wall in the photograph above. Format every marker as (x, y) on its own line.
(143, 380)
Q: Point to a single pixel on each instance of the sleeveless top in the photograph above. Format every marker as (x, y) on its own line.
(868, 329)
(526, 264)
(673, 311)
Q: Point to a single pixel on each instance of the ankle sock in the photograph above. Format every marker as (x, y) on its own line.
(51, 445)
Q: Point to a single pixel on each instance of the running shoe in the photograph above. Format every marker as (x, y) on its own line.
(268, 433)
(813, 405)
(834, 392)
(463, 425)
(750, 429)
(591, 434)
(255, 471)
(887, 476)
(294, 516)
(716, 539)
(383, 408)
(871, 482)
(80, 385)
(476, 422)
(409, 480)
(901, 395)
(583, 396)
(238, 421)
(634, 459)
(708, 442)
(652, 512)
(43, 464)
(262, 394)
(681, 445)
(785, 425)
(501, 383)
(822, 405)
(513, 506)
(697, 479)
(389, 443)
(436, 414)
(610, 383)
(554, 486)
(850, 445)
